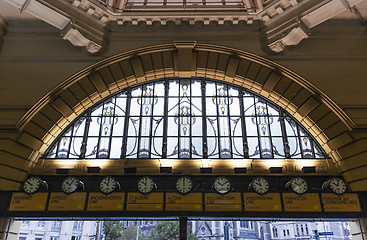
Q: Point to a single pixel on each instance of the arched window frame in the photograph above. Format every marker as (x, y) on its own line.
(105, 115)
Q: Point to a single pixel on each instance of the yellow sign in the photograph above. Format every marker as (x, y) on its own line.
(63, 202)
(189, 202)
(141, 202)
(24, 202)
(308, 202)
(102, 202)
(268, 202)
(347, 202)
(227, 202)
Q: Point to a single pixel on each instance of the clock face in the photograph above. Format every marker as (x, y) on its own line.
(184, 185)
(145, 185)
(260, 185)
(70, 185)
(299, 185)
(222, 185)
(337, 185)
(108, 185)
(31, 185)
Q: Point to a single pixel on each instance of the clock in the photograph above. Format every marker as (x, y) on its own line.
(336, 185)
(33, 184)
(71, 184)
(184, 185)
(260, 185)
(222, 185)
(298, 185)
(108, 185)
(146, 185)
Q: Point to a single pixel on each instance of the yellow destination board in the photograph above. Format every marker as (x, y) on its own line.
(102, 202)
(140, 202)
(63, 202)
(226, 202)
(267, 202)
(189, 202)
(24, 202)
(347, 202)
(308, 202)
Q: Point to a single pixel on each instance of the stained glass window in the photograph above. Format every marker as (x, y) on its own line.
(185, 118)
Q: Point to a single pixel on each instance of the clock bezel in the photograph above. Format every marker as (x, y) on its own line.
(215, 188)
(253, 187)
(153, 185)
(184, 177)
(327, 185)
(116, 187)
(291, 185)
(41, 185)
(80, 185)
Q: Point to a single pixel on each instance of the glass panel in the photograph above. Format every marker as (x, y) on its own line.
(120, 107)
(92, 143)
(118, 127)
(136, 92)
(172, 106)
(275, 127)
(157, 144)
(184, 147)
(157, 126)
(135, 107)
(307, 149)
(278, 147)
(196, 88)
(144, 148)
(317, 150)
(290, 127)
(196, 106)
(94, 126)
(272, 110)
(196, 126)
(211, 107)
(104, 147)
(145, 126)
(116, 145)
(249, 106)
(213, 147)
(265, 147)
(253, 145)
(133, 127)
(159, 89)
(79, 127)
(63, 149)
(294, 147)
(197, 148)
(173, 89)
(97, 111)
(236, 126)
(237, 146)
(212, 127)
(234, 107)
(172, 126)
(132, 147)
(251, 127)
(172, 147)
(76, 144)
(158, 108)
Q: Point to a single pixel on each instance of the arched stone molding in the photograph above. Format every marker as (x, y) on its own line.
(319, 114)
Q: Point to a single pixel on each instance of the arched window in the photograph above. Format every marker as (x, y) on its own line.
(185, 118)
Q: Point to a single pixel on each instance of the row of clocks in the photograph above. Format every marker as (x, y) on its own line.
(184, 185)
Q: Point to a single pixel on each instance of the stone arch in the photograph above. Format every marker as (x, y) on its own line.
(330, 126)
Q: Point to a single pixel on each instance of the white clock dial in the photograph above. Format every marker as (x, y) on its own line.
(70, 185)
(222, 185)
(337, 185)
(145, 185)
(31, 185)
(299, 185)
(184, 185)
(260, 185)
(108, 185)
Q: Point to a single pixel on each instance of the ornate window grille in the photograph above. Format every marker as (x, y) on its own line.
(185, 118)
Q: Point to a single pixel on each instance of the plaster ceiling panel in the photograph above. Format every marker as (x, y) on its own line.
(10, 12)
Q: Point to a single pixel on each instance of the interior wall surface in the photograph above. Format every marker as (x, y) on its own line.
(34, 60)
